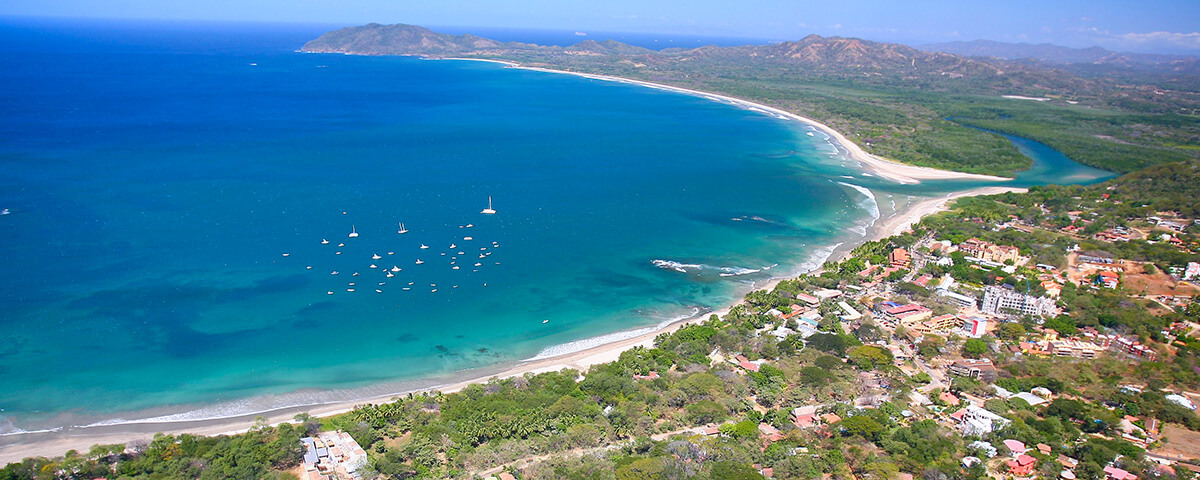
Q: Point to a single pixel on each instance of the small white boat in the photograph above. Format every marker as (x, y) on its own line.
(329, 292)
(390, 275)
(355, 274)
(376, 257)
(453, 246)
(406, 289)
(5, 212)
(341, 245)
(419, 261)
(489, 210)
(287, 254)
(378, 290)
(324, 241)
(337, 253)
(468, 238)
(395, 268)
(402, 230)
(433, 291)
(454, 267)
(424, 246)
(308, 267)
(391, 253)
(470, 225)
(478, 264)
(349, 289)
(373, 266)
(335, 272)
(545, 321)
(353, 232)
(350, 284)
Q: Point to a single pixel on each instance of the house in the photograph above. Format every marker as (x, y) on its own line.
(1017, 447)
(830, 418)
(506, 476)
(1043, 449)
(949, 398)
(769, 433)
(982, 369)
(1023, 465)
(1108, 279)
(805, 417)
(653, 375)
(1053, 289)
(900, 258)
(974, 420)
(1114, 473)
(746, 364)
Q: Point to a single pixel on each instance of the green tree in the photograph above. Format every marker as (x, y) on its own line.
(974, 348)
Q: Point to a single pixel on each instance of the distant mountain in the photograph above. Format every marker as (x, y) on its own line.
(1096, 60)
(814, 55)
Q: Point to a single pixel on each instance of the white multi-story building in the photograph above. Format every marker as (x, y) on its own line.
(999, 301)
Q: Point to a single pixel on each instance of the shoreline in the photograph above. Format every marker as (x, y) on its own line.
(81, 438)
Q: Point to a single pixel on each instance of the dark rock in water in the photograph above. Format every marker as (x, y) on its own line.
(406, 338)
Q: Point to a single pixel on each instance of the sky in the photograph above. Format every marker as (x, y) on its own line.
(1153, 26)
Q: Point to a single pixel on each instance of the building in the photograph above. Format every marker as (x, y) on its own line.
(940, 323)
(906, 314)
(1053, 289)
(850, 314)
(989, 251)
(900, 258)
(1000, 300)
(1022, 466)
(1109, 279)
(806, 298)
(982, 369)
(1073, 348)
(974, 420)
(975, 326)
(1192, 272)
(332, 455)
(962, 301)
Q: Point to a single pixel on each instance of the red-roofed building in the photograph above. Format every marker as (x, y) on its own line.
(746, 364)
(908, 313)
(900, 258)
(1109, 279)
(506, 476)
(806, 298)
(1023, 465)
(653, 375)
(1114, 473)
(923, 280)
(769, 433)
(1016, 447)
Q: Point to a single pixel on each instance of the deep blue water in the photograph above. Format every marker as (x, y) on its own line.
(157, 174)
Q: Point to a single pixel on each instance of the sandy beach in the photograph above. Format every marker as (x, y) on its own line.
(55, 443)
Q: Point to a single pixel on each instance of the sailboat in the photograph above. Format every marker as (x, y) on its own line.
(353, 232)
(402, 229)
(489, 210)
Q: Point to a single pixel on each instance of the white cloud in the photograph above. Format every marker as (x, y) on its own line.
(1171, 39)
(836, 26)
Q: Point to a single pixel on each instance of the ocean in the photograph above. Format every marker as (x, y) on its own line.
(205, 223)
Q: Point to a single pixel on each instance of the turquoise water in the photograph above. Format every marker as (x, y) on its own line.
(157, 176)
